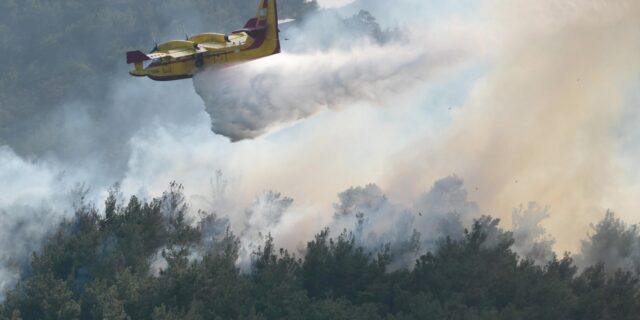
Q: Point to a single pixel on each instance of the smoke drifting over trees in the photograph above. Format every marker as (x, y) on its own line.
(104, 264)
(614, 244)
(376, 221)
(412, 246)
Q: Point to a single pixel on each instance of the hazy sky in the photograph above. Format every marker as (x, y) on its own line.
(333, 3)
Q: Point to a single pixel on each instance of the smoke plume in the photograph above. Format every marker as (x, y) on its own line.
(542, 124)
(613, 243)
(246, 100)
(531, 240)
(262, 218)
(444, 211)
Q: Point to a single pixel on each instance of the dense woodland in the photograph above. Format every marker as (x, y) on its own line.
(149, 260)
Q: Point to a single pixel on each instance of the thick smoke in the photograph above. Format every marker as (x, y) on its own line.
(445, 211)
(25, 236)
(531, 239)
(262, 218)
(336, 63)
(613, 243)
(376, 222)
(36, 197)
(543, 123)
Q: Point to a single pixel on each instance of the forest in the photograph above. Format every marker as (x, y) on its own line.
(157, 259)
(154, 260)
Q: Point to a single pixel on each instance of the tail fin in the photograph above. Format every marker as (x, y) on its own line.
(267, 12)
(266, 18)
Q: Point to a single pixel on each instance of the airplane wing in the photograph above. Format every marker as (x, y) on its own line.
(181, 53)
(138, 56)
(157, 55)
(236, 37)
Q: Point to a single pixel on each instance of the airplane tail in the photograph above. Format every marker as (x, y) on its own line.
(137, 58)
(264, 26)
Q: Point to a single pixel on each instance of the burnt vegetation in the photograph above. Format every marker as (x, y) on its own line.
(149, 260)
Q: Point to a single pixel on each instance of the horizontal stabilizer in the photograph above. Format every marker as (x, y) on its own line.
(254, 24)
(284, 21)
(136, 57)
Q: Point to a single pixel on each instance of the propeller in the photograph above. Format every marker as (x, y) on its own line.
(186, 35)
(155, 42)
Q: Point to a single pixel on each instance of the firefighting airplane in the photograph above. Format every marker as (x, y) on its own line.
(181, 59)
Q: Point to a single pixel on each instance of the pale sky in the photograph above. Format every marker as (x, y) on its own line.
(333, 3)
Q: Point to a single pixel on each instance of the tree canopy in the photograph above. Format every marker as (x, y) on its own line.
(149, 260)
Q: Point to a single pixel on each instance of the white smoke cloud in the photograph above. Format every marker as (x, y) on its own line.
(246, 100)
(444, 211)
(334, 3)
(613, 243)
(261, 219)
(36, 196)
(543, 123)
(531, 239)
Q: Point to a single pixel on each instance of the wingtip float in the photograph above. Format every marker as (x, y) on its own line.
(181, 59)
